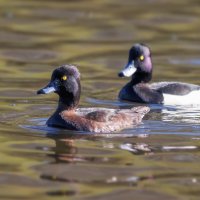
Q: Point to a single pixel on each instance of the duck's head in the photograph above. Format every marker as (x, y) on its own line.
(139, 61)
(65, 81)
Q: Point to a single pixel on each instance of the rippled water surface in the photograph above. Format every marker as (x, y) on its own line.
(159, 159)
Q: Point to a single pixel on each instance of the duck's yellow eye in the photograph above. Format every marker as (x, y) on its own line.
(64, 78)
(141, 58)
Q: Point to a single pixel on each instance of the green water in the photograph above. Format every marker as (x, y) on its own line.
(160, 159)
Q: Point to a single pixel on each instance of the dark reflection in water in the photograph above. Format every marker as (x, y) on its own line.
(108, 168)
(158, 159)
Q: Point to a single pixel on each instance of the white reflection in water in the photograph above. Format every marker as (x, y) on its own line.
(168, 148)
(144, 148)
(135, 148)
(188, 114)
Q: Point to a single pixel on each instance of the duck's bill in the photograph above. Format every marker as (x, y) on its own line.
(46, 90)
(51, 87)
(128, 71)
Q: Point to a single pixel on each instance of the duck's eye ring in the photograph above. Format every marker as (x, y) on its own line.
(64, 78)
(141, 58)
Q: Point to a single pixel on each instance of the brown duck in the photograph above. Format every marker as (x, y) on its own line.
(65, 81)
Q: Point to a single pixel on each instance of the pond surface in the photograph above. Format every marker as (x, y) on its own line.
(159, 159)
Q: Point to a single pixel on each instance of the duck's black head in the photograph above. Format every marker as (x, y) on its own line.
(139, 62)
(65, 81)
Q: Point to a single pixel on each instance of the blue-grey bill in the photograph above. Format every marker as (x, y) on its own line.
(129, 70)
(46, 90)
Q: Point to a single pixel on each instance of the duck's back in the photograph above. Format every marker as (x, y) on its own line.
(174, 88)
(101, 120)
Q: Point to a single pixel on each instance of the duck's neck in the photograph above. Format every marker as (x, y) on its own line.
(141, 77)
(68, 102)
(64, 104)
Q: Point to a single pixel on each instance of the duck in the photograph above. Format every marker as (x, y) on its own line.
(140, 68)
(65, 82)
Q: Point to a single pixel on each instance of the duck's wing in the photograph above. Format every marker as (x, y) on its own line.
(147, 94)
(96, 114)
(175, 88)
(106, 120)
(101, 115)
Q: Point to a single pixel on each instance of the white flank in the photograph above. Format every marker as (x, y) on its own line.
(193, 98)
